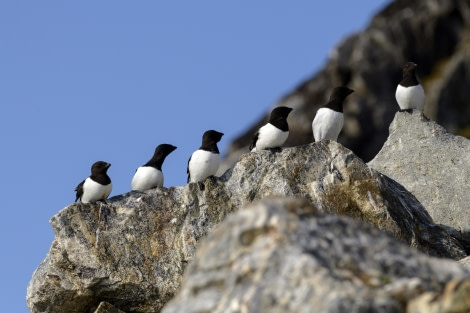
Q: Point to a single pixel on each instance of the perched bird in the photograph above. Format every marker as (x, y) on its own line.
(410, 94)
(205, 161)
(96, 187)
(150, 174)
(329, 119)
(274, 133)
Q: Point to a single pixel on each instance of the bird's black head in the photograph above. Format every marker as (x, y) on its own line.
(211, 136)
(164, 149)
(99, 167)
(340, 93)
(279, 113)
(409, 68)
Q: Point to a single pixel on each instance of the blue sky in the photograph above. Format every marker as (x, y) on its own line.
(109, 80)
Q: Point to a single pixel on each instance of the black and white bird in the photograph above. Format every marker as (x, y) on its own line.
(329, 119)
(410, 93)
(274, 134)
(205, 161)
(150, 174)
(97, 186)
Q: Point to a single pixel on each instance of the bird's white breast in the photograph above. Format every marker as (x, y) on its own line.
(327, 124)
(147, 177)
(92, 191)
(203, 164)
(269, 136)
(410, 97)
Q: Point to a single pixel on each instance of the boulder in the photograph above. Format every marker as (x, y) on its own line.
(432, 164)
(283, 255)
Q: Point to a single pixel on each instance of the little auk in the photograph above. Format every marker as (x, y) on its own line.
(329, 119)
(410, 93)
(97, 186)
(150, 174)
(274, 134)
(205, 161)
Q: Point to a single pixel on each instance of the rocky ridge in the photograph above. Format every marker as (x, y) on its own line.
(131, 252)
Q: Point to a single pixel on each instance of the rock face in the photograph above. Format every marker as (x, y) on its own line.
(132, 251)
(434, 166)
(434, 34)
(284, 256)
(357, 242)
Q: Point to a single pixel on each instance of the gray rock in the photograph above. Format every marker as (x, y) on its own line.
(283, 255)
(337, 181)
(432, 33)
(454, 298)
(434, 166)
(132, 251)
(105, 307)
(465, 262)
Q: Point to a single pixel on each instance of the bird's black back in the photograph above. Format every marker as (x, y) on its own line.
(79, 191)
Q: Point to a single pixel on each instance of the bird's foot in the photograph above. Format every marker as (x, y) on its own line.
(275, 150)
(201, 186)
(410, 111)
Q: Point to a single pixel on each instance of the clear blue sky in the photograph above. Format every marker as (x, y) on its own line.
(83, 81)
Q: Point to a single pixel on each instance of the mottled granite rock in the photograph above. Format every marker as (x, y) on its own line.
(283, 255)
(105, 307)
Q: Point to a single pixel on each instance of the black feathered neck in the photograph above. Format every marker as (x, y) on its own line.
(409, 75)
(161, 152)
(337, 97)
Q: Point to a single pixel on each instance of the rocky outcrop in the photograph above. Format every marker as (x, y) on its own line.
(285, 256)
(433, 33)
(132, 251)
(432, 164)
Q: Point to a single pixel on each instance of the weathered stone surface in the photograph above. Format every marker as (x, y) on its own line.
(454, 298)
(433, 33)
(131, 252)
(337, 181)
(284, 256)
(105, 307)
(432, 164)
(465, 262)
